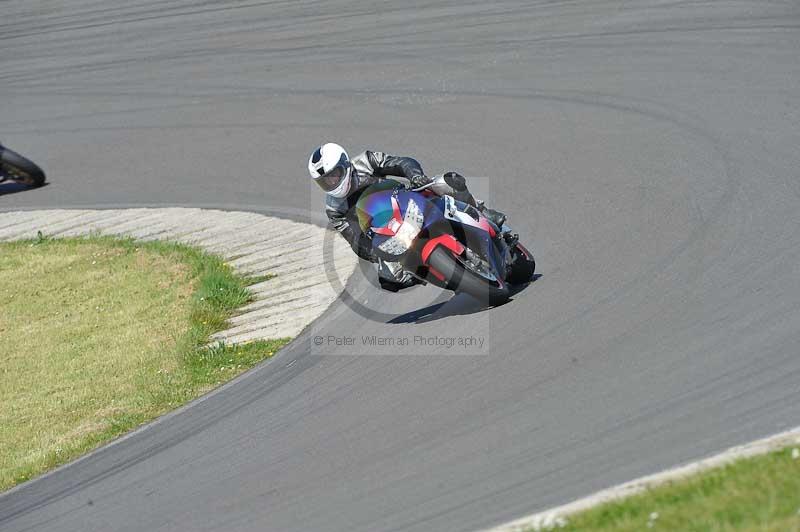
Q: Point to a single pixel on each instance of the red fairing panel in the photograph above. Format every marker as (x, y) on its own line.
(448, 241)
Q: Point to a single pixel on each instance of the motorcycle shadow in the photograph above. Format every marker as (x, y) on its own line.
(12, 187)
(515, 289)
(448, 305)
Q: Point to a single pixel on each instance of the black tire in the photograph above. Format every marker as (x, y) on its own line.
(523, 265)
(15, 166)
(460, 279)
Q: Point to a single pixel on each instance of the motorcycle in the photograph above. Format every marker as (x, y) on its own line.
(443, 241)
(15, 167)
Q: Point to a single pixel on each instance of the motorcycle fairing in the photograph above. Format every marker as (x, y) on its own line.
(398, 220)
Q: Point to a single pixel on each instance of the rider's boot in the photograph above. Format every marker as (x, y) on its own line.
(394, 286)
(393, 278)
(459, 185)
(496, 217)
(510, 237)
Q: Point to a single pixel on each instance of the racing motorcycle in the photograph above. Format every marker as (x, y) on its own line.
(443, 241)
(15, 167)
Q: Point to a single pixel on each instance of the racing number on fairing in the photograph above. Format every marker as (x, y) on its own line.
(450, 210)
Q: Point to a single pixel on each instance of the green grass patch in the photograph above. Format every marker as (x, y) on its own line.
(99, 335)
(761, 493)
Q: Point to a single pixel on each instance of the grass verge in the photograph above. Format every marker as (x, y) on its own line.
(760, 493)
(99, 335)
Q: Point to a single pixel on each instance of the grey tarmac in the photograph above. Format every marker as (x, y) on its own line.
(647, 152)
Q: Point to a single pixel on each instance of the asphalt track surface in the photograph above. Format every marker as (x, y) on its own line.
(648, 151)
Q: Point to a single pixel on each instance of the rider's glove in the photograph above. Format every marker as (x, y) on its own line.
(420, 180)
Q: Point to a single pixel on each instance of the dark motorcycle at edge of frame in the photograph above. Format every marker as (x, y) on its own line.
(15, 167)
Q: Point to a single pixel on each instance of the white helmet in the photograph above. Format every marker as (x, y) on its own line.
(330, 167)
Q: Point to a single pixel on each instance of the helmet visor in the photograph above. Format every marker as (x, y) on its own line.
(334, 178)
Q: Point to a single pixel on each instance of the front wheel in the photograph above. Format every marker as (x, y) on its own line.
(16, 167)
(459, 278)
(522, 267)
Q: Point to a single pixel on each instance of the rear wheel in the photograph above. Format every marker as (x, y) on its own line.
(458, 276)
(16, 167)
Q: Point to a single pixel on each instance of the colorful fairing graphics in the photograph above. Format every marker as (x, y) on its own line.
(398, 221)
(401, 231)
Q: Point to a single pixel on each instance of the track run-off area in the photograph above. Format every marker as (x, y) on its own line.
(647, 153)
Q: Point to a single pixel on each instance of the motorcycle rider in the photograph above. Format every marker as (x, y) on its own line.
(344, 179)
